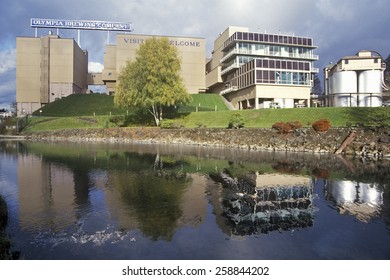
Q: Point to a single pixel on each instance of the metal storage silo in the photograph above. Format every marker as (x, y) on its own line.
(344, 88)
(370, 88)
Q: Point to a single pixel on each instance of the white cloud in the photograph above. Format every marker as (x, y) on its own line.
(7, 60)
(95, 67)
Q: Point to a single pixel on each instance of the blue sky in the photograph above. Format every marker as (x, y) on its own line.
(338, 27)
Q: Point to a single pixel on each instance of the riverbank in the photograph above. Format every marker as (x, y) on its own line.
(4, 241)
(368, 142)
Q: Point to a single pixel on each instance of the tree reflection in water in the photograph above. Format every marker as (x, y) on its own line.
(154, 196)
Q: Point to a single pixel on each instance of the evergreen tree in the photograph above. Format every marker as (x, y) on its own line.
(153, 80)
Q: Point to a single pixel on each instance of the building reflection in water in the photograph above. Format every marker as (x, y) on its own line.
(60, 204)
(362, 200)
(261, 203)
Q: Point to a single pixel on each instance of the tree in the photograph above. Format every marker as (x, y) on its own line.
(152, 80)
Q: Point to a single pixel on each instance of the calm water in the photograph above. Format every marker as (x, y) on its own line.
(96, 201)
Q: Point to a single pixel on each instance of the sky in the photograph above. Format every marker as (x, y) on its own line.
(338, 27)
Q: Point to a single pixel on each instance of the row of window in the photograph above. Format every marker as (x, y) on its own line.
(282, 64)
(250, 78)
(282, 77)
(269, 38)
(270, 63)
(285, 51)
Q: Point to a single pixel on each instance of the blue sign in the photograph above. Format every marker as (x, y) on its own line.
(81, 24)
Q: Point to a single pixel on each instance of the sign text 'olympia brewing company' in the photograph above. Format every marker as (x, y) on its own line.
(81, 24)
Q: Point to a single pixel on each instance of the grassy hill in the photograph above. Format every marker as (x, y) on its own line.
(93, 111)
(101, 104)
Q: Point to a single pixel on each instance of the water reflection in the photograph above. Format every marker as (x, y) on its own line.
(362, 200)
(260, 203)
(72, 196)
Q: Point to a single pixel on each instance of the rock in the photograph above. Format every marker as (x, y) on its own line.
(384, 138)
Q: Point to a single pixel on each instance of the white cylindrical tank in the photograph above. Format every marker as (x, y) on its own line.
(344, 88)
(370, 88)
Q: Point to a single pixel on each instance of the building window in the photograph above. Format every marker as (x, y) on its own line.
(346, 61)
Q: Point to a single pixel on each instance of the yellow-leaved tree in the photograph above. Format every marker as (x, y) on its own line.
(152, 81)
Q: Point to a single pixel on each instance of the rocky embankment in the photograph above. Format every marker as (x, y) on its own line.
(368, 142)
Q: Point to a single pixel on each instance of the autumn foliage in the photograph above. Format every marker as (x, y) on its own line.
(285, 128)
(321, 125)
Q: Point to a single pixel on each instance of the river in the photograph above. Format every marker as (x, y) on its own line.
(143, 201)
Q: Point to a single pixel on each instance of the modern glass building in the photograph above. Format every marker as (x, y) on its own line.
(260, 70)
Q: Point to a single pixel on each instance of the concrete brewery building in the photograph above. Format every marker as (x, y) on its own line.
(191, 53)
(355, 81)
(47, 69)
(50, 67)
(260, 70)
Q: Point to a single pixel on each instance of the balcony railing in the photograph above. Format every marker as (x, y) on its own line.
(229, 68)
(230, 89)
(269, 54)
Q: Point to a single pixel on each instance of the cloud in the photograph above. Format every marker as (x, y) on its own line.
(95, 67)
(7, 60)
(338, 27)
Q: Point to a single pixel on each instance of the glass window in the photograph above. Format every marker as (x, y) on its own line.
(272, 77)
(265, 63)
(265, 37)
(295, 65)
(309, 42)
(261, 37)
(245, 36)
(307, 66)
(295, 41)
(271, 38)
(265, 76)
(289, 65)
(284, 64)
(258, 75)
(277, 64)
(258, 63)
(251, 36)
(256, 37)
(272, 64)
(299, 41)
(239, 35)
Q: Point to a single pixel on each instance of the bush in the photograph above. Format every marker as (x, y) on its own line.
(117, 120)
(321, 125)
(236, 121)
(285, 128)
(168, 123)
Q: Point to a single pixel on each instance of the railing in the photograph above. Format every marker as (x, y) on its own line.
(234, 65)
(230, 89)
(266, 52)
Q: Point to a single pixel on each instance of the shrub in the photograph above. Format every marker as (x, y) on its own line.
(117, 120)
(295, 124)
(236, 121)
(285, 128)
(321, 125)
(168, 123)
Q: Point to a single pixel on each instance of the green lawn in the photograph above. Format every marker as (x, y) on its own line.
(265, 118)
(94, 110)
(101, 104)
